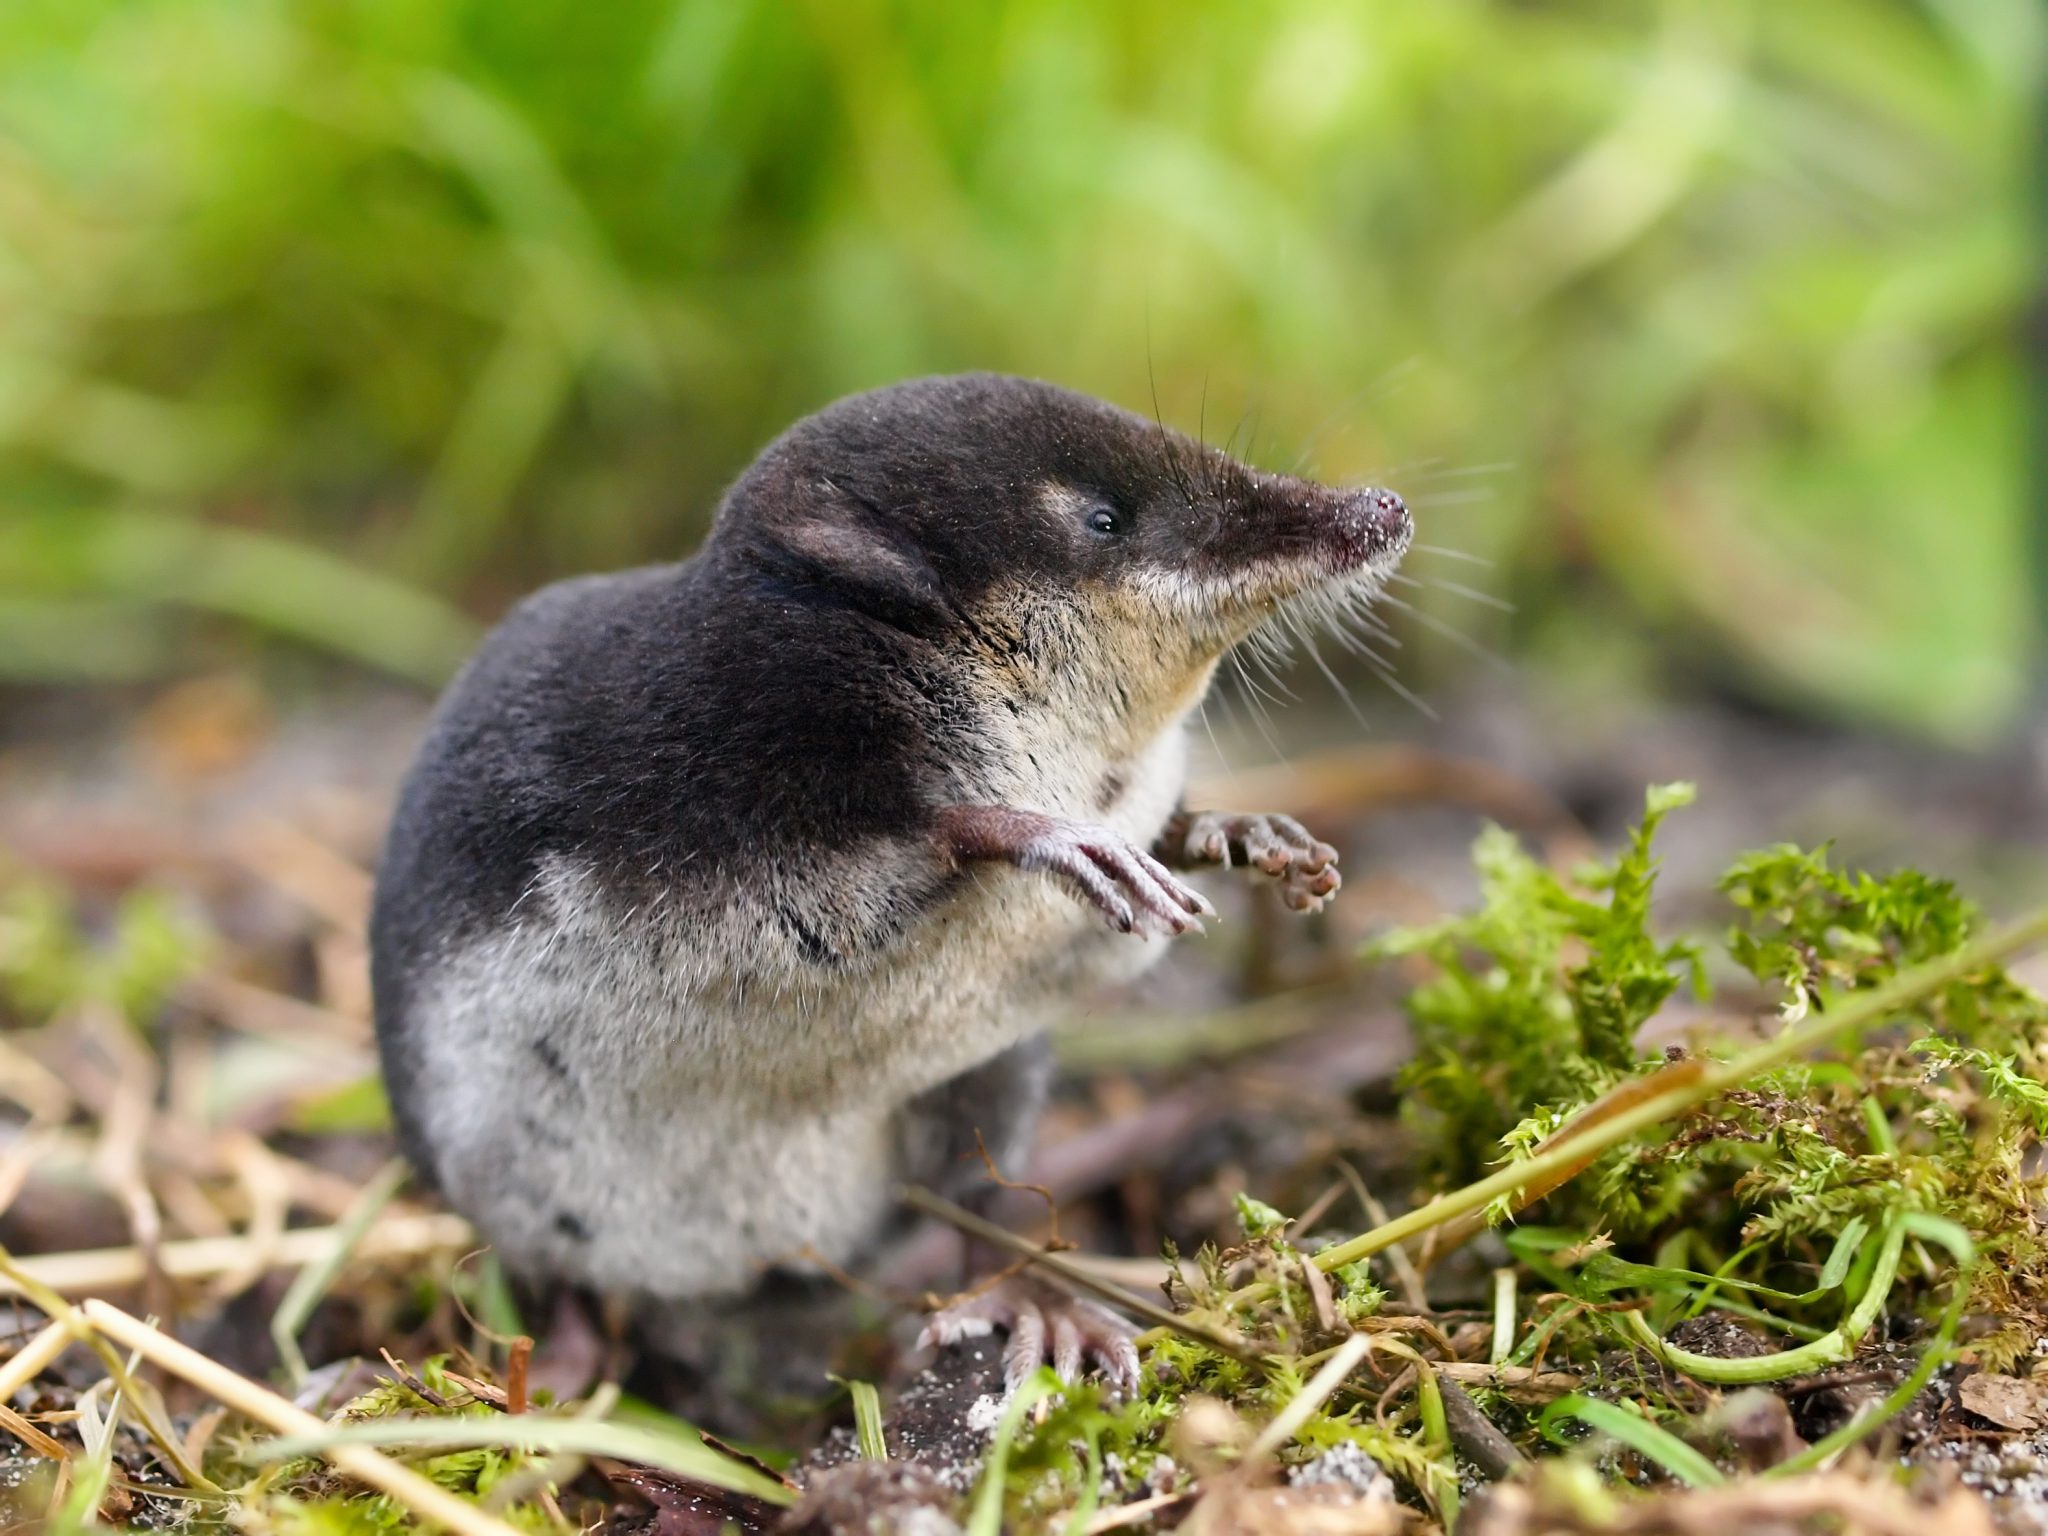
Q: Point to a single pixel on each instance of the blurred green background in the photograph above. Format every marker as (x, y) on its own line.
(343, 321)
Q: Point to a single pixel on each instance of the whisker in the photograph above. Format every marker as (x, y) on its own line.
(1407, 470)
(1336, 682)
(1174, 469)
(1254, 701)
(1357, 647)
(1451, 498)
(1448, 553)
(1471, 594)
(1248, 425)
(1269, 657)
(1208, 725)
(1386, 383)
(1468, 471)
(1403, 691)
(1434, 625)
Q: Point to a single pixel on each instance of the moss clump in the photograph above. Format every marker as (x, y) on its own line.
(1534, 1011)
(306, 1497)
(1803, 1200)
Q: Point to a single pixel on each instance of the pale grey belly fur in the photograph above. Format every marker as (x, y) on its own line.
(613, 1106)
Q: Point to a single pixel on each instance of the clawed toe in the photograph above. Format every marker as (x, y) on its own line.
(1045, 1326)
(1274, 845)
(1306, 890)
(1133, 890)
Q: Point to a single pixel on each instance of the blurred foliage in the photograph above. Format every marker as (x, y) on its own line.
(1717, 303)
(132, 961)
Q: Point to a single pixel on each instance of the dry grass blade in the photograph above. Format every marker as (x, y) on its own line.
(693, 1460)
(33, 1358)
(1136, 1513)
(1671, 1079)
(141, 1397)
(1322, 1386)
(105, 1269)
(362, 1462)
(32, 1437)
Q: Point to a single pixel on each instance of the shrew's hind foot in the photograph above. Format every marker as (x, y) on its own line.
(1046, 1325)
(1273, 844)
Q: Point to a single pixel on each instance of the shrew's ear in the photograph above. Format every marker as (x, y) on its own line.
(839, 539)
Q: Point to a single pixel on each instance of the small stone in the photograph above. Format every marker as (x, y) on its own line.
(984, 1413)
(1345, 1465)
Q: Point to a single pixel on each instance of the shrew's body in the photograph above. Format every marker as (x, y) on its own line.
(726, 895)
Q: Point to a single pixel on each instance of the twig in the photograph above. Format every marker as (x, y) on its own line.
(1053, 1240)
(320, 879)
(259, 1011)
(988, 1232)
(125, 1129)
(1318, 1208)
(482, 1391)
(267, 1186)
(516, 1360)
(1319, 1292)
(32, 1143)
(1515, 1380)
(1476, 1436)
(412, 1382)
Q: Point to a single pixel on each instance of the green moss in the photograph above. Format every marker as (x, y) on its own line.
(308, 1498)
(1813, 1200)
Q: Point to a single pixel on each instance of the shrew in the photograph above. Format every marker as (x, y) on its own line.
(724, 896)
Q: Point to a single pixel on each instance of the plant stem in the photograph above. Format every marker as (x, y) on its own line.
(1503, 1316)
(1860, 1013)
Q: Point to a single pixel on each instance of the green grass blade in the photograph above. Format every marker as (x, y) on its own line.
(867, 1420)
(986, 1518)
(1651, 1441)
(314, 1281)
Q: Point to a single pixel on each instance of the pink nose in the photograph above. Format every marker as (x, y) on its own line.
(1381, 516)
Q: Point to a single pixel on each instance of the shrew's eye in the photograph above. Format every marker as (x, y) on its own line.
(1104, 522)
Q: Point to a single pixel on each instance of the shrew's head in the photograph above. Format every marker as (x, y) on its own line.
(978, 506)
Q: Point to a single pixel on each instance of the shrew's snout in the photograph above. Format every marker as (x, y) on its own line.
(1289, 535)
(1370, 527)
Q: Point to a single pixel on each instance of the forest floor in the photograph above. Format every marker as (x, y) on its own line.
(194, 1136)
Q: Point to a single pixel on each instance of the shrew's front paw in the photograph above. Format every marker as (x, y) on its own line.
(1046, 1326)
(1277, 845)
(1129, 887)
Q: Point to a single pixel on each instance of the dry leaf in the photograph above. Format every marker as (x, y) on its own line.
(2011, 1402)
